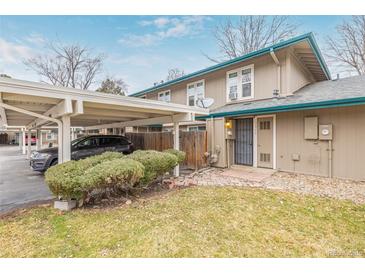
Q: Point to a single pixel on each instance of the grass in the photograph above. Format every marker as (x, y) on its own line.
(193, 222)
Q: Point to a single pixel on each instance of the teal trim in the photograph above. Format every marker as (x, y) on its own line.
(308, 36)
(286, 108)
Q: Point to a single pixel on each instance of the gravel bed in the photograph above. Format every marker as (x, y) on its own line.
(284, 181)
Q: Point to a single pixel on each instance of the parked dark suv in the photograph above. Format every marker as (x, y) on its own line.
(83, 147)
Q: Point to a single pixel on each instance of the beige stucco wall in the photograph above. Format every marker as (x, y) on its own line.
(216, 140)
(293, 76)
(297, 75)
(348, 143)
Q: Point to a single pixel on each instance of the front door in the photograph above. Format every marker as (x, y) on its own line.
(265, 142)
(244, 142)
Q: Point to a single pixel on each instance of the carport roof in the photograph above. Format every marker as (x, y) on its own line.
(86, 108)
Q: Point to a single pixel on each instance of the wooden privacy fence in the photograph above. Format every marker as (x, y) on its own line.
(193, 143)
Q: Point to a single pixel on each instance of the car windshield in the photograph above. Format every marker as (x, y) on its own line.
(74, 142)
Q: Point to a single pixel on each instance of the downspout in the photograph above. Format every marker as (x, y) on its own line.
(278, 71)
(34, 114)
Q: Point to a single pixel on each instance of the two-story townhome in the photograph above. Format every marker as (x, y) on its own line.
(278, 108)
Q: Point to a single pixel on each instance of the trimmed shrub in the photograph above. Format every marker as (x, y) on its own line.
(181, 155)
(156, 164)
(65, 179)
(119, 173)
(110, 170)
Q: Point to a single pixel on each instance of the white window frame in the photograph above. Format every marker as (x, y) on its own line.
(195, 95)
(165, 93)
(239, 84)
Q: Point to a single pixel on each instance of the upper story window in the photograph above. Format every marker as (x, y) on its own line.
(164, 96)
(194, 92)
(240, 84)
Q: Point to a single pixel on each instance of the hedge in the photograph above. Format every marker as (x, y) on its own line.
(65, 179)
(120, 173)
(77, 179)
(156, 164)
(181, 155)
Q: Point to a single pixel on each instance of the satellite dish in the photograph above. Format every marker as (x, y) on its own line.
(205, 102)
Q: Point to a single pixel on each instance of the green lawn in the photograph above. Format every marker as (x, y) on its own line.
(193, 222)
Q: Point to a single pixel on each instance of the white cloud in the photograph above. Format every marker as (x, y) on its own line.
(159, 22)
(13, 53)
(35, 38)
(166, 28)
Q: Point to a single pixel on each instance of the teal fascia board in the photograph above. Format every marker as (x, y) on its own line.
(308, 36)
(286, 108)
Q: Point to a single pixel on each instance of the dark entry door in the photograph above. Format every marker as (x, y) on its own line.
(244, 142)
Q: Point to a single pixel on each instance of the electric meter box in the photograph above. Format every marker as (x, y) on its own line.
(325, 132)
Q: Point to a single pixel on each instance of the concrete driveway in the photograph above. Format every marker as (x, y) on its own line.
(19, 185)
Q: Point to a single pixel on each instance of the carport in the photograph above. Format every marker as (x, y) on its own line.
(33, 106)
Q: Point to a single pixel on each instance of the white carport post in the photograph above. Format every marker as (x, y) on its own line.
(176, 146)
(29, 148)
(66, 138)
(39, 139)
(20, 139)
(23, 141)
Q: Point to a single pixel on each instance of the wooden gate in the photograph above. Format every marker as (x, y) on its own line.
(193, 143)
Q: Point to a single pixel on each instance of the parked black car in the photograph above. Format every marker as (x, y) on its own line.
(83, 147)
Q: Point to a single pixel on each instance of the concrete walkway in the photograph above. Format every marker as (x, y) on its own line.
(19, 185)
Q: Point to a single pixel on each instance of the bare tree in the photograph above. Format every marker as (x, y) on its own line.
(349, 48)
(174, 73)
(68, 66)
(113, 86)
(250, 33)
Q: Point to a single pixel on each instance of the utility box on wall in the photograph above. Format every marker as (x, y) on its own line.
(311, 128)
(325, 132)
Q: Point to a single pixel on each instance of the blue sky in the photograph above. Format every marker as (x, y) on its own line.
(139, 49)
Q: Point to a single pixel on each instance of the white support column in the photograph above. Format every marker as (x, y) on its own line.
(20, 139)
(176, 146)
(23, 141)
(39, 139)
(66, 138)
(29, 148)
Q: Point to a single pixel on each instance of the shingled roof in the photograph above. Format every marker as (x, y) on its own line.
(324, 94)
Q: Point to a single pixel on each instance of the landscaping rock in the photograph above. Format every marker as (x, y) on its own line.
(284, 181)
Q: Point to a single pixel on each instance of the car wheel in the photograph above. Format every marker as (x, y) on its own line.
(54, 162)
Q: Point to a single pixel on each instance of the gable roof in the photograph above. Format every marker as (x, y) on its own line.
(305, 37)
(333, 93)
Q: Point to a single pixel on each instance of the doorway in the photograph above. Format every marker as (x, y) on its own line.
(265, 142)
(244, 142)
